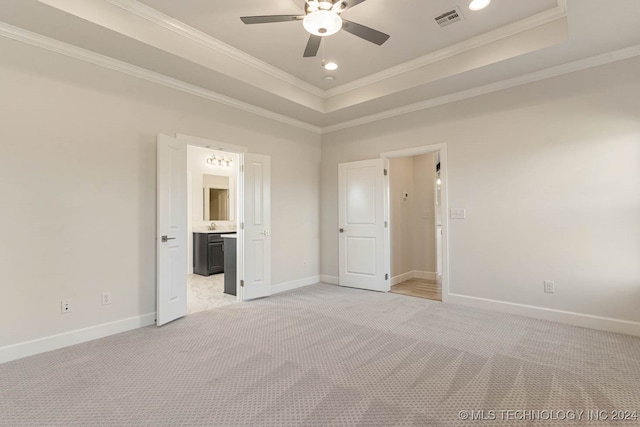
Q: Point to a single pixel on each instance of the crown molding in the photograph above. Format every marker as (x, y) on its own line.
(582, 64)
(525, 24)
(150, 14)
(33, 39)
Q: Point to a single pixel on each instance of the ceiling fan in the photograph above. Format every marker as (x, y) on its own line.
(322, 18)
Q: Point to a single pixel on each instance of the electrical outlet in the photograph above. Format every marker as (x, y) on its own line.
(65, 306)
(106, 298)
(549, 287)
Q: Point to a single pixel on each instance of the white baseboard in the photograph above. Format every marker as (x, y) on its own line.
(426, 275)
(415, 274)
(402, 277)
(572, 318)
(332, 280)
(295, 284)
(54, 342)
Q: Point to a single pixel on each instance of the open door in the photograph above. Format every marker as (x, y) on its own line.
(362, 222)
(256, 226)
(171, 238)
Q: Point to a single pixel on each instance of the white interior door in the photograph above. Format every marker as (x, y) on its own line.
(171, 235)
(256, 234)
(361, 210)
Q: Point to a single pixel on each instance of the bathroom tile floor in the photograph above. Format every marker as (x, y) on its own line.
(205, 293)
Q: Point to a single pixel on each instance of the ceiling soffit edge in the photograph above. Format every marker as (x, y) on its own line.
(512, 29)
(106, 14)
(154, 16)
(571, 67)
(179, 27)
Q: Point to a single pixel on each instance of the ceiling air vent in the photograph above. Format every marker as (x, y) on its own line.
(449, 17)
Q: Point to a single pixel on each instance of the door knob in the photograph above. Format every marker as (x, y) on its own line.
(166, 239)
(342, 230)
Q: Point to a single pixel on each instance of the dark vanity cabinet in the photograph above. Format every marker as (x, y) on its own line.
(230, 277)
(208, 253)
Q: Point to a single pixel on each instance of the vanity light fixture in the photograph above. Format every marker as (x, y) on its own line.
(479, 4)
(219, 161)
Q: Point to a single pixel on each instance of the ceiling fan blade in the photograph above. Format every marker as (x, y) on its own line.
(270, 18)
(353, 3)
(369, 34)
(312, 46)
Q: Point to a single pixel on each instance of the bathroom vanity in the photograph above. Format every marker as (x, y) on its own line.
(208, 252)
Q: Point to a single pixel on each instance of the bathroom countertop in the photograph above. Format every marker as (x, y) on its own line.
(216, 231)
(230, 236)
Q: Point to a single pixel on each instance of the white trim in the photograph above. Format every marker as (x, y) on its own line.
(72, 51)
(425, 275)
(510, 30)
(65, 339)
(332, 280)
(569, 317)
(444, 200)
(582, 64)
(402, 277)
(294, 284)
(152, 15)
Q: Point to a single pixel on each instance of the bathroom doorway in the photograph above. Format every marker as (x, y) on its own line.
(212, 224)
(252, 258)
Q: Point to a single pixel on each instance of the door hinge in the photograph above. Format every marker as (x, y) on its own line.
(385, 172)
(386, 224)
(242, 168)
(242, 283)
(242, 226)
(386, 277)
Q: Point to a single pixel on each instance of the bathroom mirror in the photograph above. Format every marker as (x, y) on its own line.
(216, 201)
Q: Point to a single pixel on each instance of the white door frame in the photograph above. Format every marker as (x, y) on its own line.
(229, 148)
(444, 200)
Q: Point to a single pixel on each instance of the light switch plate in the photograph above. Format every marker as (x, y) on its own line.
(457, 213)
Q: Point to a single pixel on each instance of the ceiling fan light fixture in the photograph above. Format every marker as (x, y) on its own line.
(322, 23)
(479, 4)
(330, 66)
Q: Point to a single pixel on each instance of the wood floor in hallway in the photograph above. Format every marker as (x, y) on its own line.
(421, 288)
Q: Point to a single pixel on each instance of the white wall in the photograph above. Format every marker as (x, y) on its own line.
(549, 174)
(77, 179)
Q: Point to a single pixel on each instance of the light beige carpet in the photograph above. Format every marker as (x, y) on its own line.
(329, 356)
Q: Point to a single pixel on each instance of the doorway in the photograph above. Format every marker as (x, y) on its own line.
(414, 213)
(212, 198)
(417, 203)
(175, 235)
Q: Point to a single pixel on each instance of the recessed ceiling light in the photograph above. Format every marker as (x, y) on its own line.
(331, 66)
(479, 4)
(329, 78)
